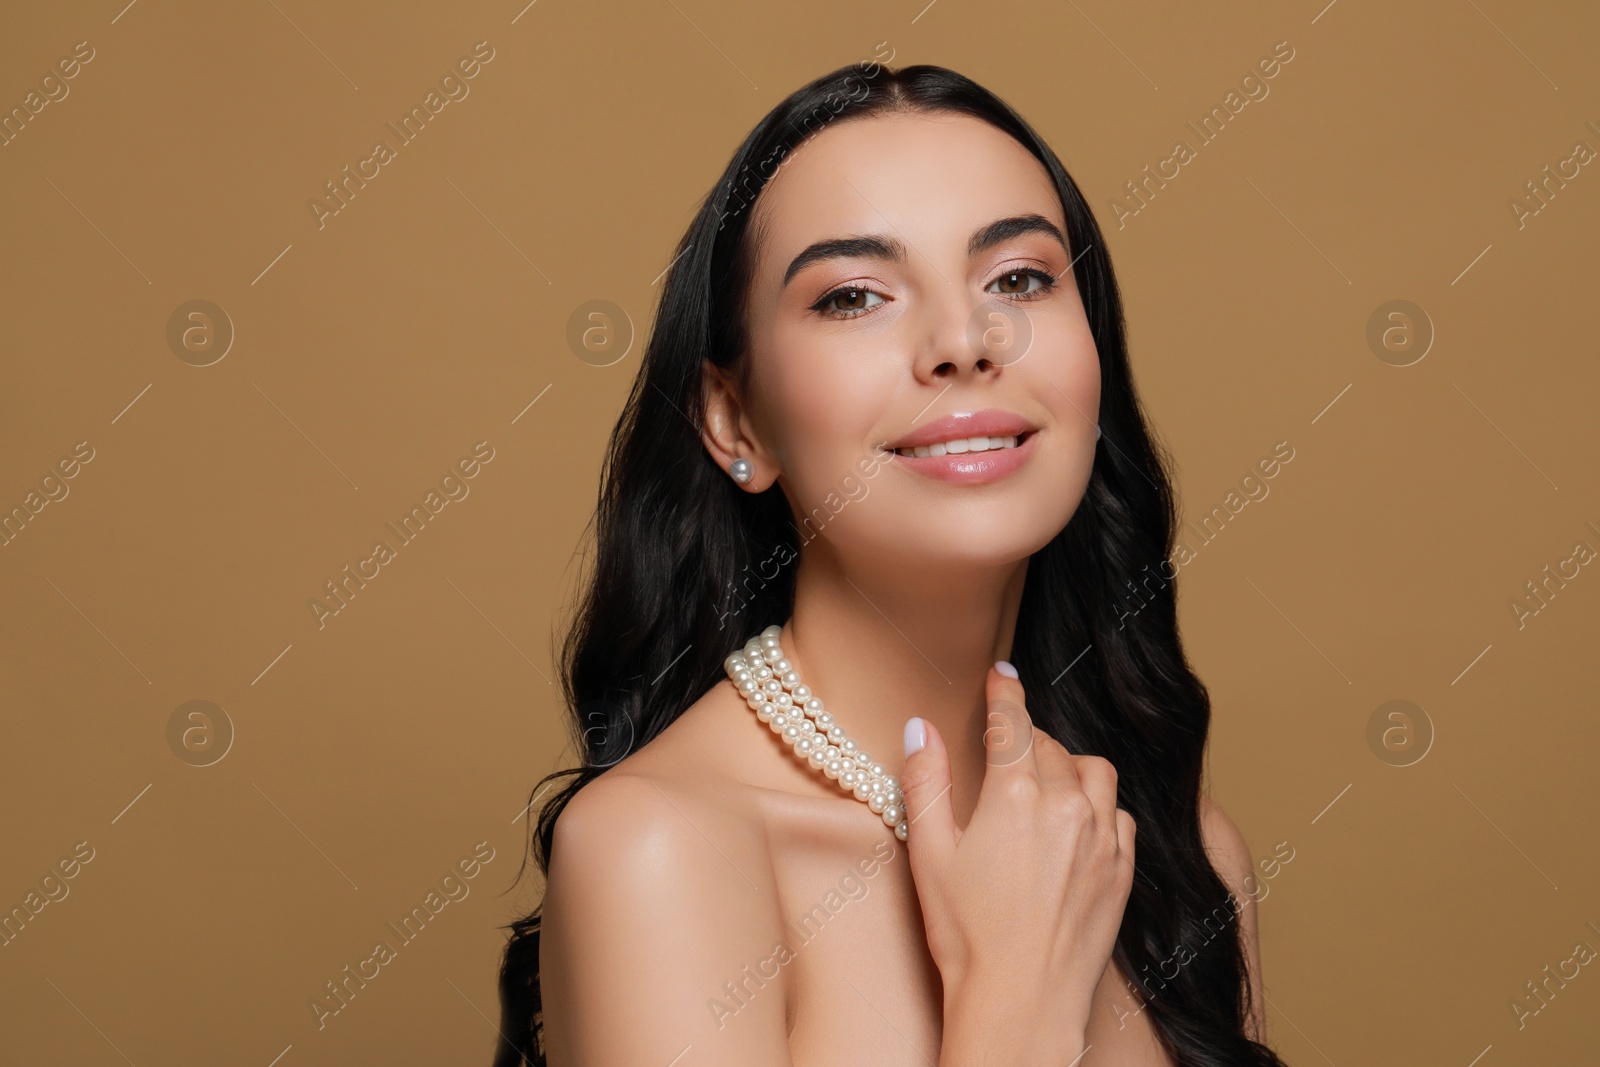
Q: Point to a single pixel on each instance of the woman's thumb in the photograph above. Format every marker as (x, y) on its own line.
(925, 785)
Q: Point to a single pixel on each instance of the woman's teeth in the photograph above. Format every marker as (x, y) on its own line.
(959, 446)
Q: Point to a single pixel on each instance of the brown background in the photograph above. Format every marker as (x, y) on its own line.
(370, 755)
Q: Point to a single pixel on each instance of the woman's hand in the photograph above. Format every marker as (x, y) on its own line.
(1021, 908)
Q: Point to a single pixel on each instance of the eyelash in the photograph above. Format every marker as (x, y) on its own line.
(1049, 280)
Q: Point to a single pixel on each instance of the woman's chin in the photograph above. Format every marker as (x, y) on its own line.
(958, 546)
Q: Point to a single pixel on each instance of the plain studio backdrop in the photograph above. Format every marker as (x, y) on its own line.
(231, 370)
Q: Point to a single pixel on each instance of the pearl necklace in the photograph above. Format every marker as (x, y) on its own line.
(772, 687)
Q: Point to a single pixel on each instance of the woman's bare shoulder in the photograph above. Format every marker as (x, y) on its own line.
(659, 891)
(1225, 844)
(674, 793)
(1230, 856)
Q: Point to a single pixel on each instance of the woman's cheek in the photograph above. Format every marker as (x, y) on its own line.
(834, 400)
(1066, 378)
(815, 447)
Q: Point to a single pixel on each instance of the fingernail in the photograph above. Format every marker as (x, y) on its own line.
(1005, 668)
(916, 735)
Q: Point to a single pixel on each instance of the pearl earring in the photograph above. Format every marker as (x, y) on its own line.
(742, 470)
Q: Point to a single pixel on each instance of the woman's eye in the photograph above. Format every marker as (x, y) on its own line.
(1022, 278)
(848, 301)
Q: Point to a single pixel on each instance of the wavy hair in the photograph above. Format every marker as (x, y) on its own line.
(676, 565)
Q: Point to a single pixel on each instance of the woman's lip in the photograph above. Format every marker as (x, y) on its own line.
(972, 468)
(990, 422)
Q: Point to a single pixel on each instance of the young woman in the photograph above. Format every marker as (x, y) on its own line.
(870, 707)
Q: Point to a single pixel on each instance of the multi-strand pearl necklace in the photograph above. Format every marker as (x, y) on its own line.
(771, 686)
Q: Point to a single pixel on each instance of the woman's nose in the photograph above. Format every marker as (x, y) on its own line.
(962, 338)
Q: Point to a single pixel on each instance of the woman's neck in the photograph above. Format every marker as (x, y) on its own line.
(880, 644)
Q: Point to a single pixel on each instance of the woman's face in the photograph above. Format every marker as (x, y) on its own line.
(888, 309)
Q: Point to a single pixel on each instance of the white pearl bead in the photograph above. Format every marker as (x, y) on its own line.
(802, 693)
(877, 802)
(789, 679)
(765, 712)
(892, 784)
(848, 763)
(836, 735)
(814, 758)
(900, 831)
(848, 747)
(824, 719)
(847, 778)
(830, 767)
(877, 769)
(861, 791)
(891, 815)
(791, 733)
(805, 746)
(813, 706)
(773, 654)
(782, 666)
(783, 700)
(806, 726)
(778, 721)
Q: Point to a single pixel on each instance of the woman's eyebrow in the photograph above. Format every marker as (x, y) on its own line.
(863, 246)
(1013, 226)
(876, 246)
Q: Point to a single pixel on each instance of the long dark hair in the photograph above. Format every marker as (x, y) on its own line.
(677, 564)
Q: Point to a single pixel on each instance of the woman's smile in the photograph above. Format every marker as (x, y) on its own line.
(968, 448)
(972, 467)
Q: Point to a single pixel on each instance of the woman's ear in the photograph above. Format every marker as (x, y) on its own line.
(726, 431)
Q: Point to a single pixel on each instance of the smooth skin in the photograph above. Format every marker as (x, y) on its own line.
(711, 898)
